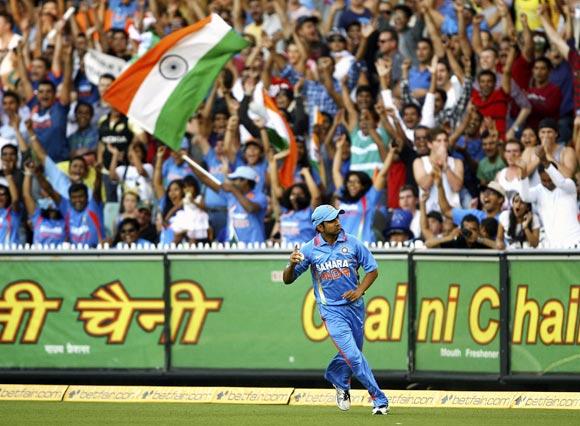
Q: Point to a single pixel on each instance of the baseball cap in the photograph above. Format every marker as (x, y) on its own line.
(335, 34)
(324, 213)
(548, 123)
(400, 223)
(303, 19)
(244, 172)
(494, 186)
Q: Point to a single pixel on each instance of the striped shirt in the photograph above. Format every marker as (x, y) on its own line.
(364, 151)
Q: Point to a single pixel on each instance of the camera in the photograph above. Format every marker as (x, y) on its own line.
(465, 232)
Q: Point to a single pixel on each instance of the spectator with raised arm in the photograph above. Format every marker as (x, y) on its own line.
(45, 219)
(557, 202)
(358, 196)
(297, 203)
(49, 114)
(438, 160)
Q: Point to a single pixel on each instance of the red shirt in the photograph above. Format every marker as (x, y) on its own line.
(396, 178)
(522, 72)
(545, 103)
(495, 106)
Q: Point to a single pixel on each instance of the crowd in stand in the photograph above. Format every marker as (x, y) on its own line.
(452, 122)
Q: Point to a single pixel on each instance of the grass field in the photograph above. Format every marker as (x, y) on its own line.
(27, 412)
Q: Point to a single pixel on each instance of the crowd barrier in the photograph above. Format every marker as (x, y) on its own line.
(432, 314)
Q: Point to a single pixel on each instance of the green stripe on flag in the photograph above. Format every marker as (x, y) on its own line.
(193, 88)
(276, 140)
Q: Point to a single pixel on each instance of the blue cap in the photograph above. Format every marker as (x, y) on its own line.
(244, 172)
(400, 223)
(324, 213)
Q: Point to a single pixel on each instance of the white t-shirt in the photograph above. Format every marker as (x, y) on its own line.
(558, 209)
(133, 180)
(504, 220)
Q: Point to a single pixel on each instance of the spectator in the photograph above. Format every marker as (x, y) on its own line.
(147, 230)
(47, 222)
(84, 140)
(246, 206)
(557, 202)
(492, 199)
(297, 204)
(563, 156)
(438, 161)
(518, 226)
(128, 235)
(83, 214)
(129, 205)
(509, 177)
(10, 215)
(355, 12)
(489, 166)
(408, 202)
(466, 237)
(398, 229)
(49, 115)
(358, 196)
(544, 96)
(136, 175)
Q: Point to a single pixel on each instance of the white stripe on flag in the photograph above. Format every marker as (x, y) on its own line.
(156, 89)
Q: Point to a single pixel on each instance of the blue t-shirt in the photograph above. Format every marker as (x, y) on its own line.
(58, 179)
(358, 217)
(214, 200)
(87, 91)
(121, 12)
(334, 268)
(171, 171)
(419, 79)
(261, 168)
(296, 226)
(347, 17)
(458, 214)
(50, 127)
(9, 224)
(47, 231)
(243, 226)
(83, 227)
(474, 148)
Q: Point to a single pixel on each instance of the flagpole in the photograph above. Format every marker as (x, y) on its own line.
(203, 171)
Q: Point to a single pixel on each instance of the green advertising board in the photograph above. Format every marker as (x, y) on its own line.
(544, 314)
(457, 314)
(81, 312)
(260, 323)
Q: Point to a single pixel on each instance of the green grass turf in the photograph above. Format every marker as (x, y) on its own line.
(28, 412)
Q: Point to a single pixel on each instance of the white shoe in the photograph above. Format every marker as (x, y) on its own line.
(342, 399)
(380, 411)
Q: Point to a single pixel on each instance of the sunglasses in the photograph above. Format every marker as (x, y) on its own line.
(128, 230)
(386, 11)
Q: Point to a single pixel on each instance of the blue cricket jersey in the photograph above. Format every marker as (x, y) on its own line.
(9, 224)
(47, 231)
(214, 200)
(358, 217)
(171, 171)
(296, 226)
(243, 226)
(83, 227)
(334, 268)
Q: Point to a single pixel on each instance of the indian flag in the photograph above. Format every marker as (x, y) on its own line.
(166, 85)
(279, 133)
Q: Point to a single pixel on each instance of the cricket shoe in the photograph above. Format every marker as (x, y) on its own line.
(342, 399)
(383, 410)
